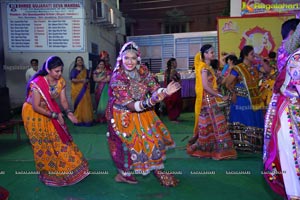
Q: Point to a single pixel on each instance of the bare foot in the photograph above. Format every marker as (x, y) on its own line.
(122, 179)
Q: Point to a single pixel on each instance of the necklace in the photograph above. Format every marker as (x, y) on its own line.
(52, 88)
(133, 75)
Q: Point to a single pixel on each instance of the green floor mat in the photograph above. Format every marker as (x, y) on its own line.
(199, 178)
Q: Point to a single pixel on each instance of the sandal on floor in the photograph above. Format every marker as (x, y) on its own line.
(126, 179)
(166, 179)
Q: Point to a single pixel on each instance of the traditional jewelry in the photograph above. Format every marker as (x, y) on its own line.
(52, 88)
(67, 111)
(54, 115)
(293, 113)
(219, 95)
(137, 106)
(295, 82)
(133, 74)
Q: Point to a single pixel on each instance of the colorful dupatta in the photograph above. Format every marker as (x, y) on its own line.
(272, 162)
(251, 84)
(43, 88)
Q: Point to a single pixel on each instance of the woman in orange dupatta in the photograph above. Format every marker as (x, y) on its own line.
(246, 120)
(211, 137)
(58, 160)
(80, 93)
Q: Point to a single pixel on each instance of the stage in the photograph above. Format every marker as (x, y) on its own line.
(199, 178)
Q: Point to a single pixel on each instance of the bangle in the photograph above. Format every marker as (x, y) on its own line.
(54, 115)
(151, 103)
(161, 90)
(166, 92)
(143, 105)
(137, 106)
(219, 95)
(67, 111)
(147, 103)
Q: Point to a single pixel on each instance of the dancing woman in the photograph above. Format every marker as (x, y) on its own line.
(137, 137)
(57, 159)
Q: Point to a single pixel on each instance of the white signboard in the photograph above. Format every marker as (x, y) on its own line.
(44, 27)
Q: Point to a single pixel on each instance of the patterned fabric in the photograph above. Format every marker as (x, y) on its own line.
(41, 85)
(250, 76)
(281, 163)
(58, 164)
(211, 138)
(199, 88)
(269, 119)
(101, 96)
(81, 98)
(137, 140)
(266, 87)
(245, 123)
(282, 149)
(288, 46)
(271, 111)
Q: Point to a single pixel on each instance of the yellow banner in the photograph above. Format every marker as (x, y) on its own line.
(250, 7)
(263, 33)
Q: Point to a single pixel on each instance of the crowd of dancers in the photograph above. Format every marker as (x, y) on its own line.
(249, 104)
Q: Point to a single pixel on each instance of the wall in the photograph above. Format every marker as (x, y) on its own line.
(235, 8)
(146, 17)
(182, 46)
(16, 63)
(2, 75)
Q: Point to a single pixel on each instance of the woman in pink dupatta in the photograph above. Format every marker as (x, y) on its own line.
(58, 160)
(282, 157)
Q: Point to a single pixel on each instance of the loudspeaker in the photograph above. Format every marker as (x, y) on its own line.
(4, 104)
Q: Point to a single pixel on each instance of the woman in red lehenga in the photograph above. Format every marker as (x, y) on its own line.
(211, 137)
(174, 101)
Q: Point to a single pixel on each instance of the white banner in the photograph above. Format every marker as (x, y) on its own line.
(46, 27)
